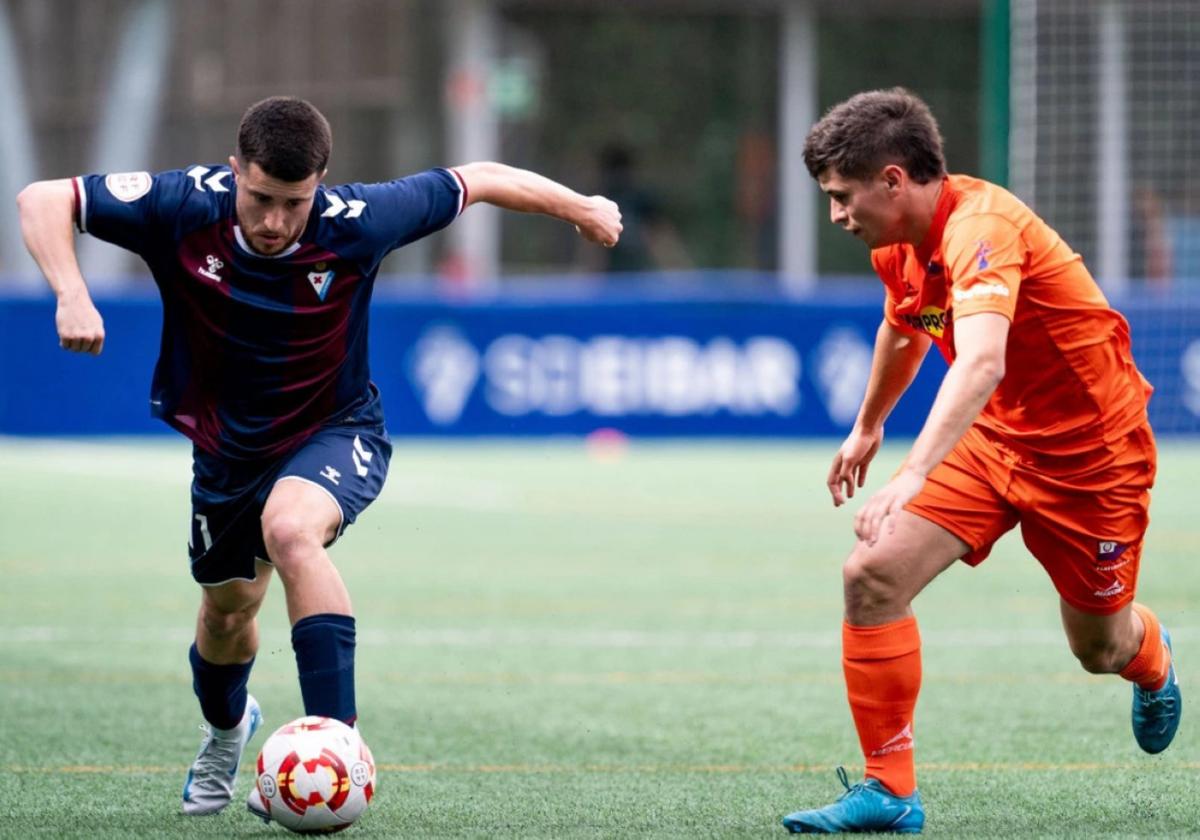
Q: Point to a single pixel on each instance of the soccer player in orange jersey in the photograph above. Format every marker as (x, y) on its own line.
(1040, 422)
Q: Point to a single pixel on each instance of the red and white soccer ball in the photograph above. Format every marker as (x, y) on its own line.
(316, 775)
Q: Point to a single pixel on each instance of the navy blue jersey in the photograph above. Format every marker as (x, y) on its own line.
(258, 352)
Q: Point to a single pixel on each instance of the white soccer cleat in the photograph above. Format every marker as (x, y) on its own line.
(210, 780)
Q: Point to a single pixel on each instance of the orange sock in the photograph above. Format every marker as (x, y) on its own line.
(883, 677)
(1150, 664)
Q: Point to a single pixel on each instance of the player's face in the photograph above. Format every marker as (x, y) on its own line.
(867, 209)
(272, 213)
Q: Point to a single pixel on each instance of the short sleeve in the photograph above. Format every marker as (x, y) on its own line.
(369, 220)
(985, 256)
(129, 209)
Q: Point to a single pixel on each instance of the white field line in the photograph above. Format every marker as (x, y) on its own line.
(488, 639)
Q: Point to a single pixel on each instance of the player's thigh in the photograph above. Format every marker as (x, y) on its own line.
(329, 481)
(903, 561)
(965, 495)
(1090, 542)
(225, 541)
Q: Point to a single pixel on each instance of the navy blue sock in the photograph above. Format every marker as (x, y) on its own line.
(221, 689)
(324, 646)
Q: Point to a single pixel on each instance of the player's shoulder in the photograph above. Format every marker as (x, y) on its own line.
(188, 196)
(378, 210)
(980, 204)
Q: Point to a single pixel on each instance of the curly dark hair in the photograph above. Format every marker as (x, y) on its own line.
(287, 137)
(860, 136)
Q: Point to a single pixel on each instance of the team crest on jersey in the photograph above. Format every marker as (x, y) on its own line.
(128, 186)
(981, 255)
(320, 281)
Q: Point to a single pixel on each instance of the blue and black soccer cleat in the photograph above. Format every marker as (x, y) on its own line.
(1156, 713)
(867, 806)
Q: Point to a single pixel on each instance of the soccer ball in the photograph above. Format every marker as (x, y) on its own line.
(315, 775)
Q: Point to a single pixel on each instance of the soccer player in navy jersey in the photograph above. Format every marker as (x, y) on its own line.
(265, 276)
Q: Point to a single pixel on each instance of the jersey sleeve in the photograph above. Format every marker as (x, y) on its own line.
(369, 220)
(985, 256)
(131, 209)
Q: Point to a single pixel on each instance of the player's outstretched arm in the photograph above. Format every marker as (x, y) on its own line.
(46, 209)
(595, 217)
(898, 357)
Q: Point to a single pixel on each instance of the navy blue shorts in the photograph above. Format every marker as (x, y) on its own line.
(349, 461)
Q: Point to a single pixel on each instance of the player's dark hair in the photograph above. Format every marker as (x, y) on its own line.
(287, 137)
(870, 130)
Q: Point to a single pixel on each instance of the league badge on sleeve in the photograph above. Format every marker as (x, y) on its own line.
(320, 281)
(128, 186)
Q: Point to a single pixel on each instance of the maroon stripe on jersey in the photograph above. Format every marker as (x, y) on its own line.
(324, 289)
(201, 306)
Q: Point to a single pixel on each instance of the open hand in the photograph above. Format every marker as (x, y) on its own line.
(878, 515)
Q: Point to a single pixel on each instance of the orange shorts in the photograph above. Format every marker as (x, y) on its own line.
(1082, 516)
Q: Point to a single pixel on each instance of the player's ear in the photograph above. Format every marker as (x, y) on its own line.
(233, 164)
(893, 177)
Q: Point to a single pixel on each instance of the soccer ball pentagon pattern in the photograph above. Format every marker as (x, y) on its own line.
(315, 775)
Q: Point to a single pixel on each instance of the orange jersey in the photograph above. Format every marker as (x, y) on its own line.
(1070, 383)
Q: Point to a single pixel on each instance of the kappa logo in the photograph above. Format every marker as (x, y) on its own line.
(902, 740)
(214, 265)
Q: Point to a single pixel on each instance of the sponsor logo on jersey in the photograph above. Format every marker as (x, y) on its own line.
(320, 281)
(931, 319)
(1108, 555)
(981, 253)
(1110, 592)
(128, 186)
(214, 265)
(980, 290)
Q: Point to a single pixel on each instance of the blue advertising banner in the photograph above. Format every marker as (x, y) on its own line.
(515, 367)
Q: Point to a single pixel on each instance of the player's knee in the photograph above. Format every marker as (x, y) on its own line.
(290, 540)
(867, 583)
(222, 624)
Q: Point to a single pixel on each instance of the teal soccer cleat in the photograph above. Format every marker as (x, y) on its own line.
(867, 806)
(1156, 713)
